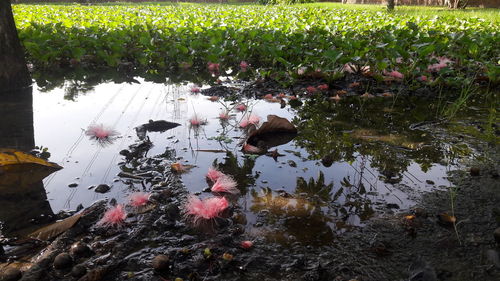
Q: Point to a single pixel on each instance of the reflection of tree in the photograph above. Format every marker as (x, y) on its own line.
(378, 128)
(242, 174)
(22, 195)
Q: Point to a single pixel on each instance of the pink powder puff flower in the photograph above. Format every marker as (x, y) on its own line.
(396, 74)
(100, 132)
(248, 148)
(114, 217)
(213, 98)
(224, 115)
(195, 89)
(213, 67)
(323, 87)
(292, 97)
(422, 78)
(254, 119)
(281, 95)
(241, 107)
(246, 244)
(349, 68)
(268, 96)
(139, 199)
(442, 63)
(213, 174)
(244, 123)
(197, 210)
(196, 121)
(225, 184)
(311, 89)
(243, 66)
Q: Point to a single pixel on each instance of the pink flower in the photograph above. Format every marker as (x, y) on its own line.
(196, 121)
(301, 70)
(422, 78)
(323, 87)
(138, 199)
(246, 244)
(248, 148)
(244, 123)
(114, 217)
(281, 95)
(213, 174)
(213, 98)
(213, 67)
(100, 132)
(241, 107)
(197, 210)
(349, 68)
(268, 96)
(252, 119)
(225, 184)
(195, 89)
(396, 74)
(243, 66)
(224, 115)
(442, 63)
(311, 89)
(399, 60)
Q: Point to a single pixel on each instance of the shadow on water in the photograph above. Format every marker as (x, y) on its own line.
(22, 194)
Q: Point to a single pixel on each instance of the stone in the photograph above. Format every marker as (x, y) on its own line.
(475, 171)
(161, 263)
(63, 261)
(73, 184)
(78, 271)
(496, 234)
(80, 249)
(102, 188)
(11, 274)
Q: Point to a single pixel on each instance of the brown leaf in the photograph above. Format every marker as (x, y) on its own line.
(446, 220)
(11, 159)
(275, 131)
(51, 231)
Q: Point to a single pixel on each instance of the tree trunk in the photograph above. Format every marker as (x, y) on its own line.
(13, 70)
(390, 5)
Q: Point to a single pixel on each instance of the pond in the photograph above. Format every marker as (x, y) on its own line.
(352, 159)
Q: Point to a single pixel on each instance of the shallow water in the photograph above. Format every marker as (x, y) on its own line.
(370, 158)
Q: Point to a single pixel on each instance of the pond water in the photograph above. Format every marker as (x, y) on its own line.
(351, 160)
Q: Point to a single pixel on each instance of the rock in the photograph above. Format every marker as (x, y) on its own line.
(102, 188)
(475, 171)
(80, 249)
(421, 270)
(429, 182)
(78, 271)
(493, 257)
(392, 206)
(11, 274)
(496, 234)
(161, 263)
(292, 163)
(63, 261)
(73, 184)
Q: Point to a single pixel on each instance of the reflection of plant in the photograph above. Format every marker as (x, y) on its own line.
(316, 188)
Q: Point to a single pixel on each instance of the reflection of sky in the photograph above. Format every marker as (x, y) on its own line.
(59, 125)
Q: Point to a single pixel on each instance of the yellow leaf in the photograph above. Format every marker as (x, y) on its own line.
(11, 159)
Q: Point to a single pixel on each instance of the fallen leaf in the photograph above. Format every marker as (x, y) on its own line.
(275, 131)
(51, 231)
(447, 220)
(11, 159)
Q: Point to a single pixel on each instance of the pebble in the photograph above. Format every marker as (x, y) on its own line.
(62, 261)
(11, 274)
(496, 234)
(161, 262)
(80, 249)
(102, 188)
(429, 182)
(73, 184)
(78, 271)
(475, 171)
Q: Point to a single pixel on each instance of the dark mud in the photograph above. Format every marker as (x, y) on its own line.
(397, 244)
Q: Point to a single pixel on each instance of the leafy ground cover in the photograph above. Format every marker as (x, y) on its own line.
(284, 42)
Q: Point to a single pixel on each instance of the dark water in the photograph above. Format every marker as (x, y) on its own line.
(352, 160)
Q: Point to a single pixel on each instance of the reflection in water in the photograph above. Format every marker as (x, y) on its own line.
(22, 195)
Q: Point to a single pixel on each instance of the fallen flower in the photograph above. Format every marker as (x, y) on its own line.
(248, 148)
(323, 87)
(241, 107)
(213, 98)
(196, 121)
(213, 174)
(195, 89)
(114, 217)
(311, 89)
(100, 132)
(138, 199)
(225, 184)
(197, 210)
(246, 244)
(224, 115)
(243, 66)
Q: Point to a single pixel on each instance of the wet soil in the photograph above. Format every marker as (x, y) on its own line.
(399, 243)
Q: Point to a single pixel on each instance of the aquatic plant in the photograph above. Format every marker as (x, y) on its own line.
(100, 133)
(213, 174)
(197, 210)
(114, 217)
(225, 184)
(138, 199)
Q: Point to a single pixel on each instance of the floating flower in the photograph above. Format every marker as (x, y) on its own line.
(225, 184)
(138, 199)
(213, 98)
(114, 217)
(243, 66)
(422, 78)
(195, 89)
(197, 210)
(251, 120)
(248, 148)
(224, 115)
(213, 174)
(100, 133)
(196, 121)
(244, 123)
(241, 107)
(246, 244)
(311, 89)
(323, 87)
